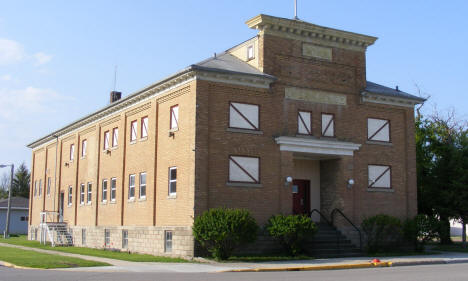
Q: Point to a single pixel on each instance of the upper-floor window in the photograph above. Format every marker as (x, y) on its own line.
(35, 188)
(172, 180)
(379, 176)
(174, 123)
(142, 185)
(113, 189)
(104, 190)
(133, 130)
(40, 187)
(144, 127)
(304, 122)
(244, 169)
(49, 180)
(378, 129)
(115, 137)
(250, 52)
(70, 195)
(84, 145)
(82, 193)
(131, 187)
(244, 116)
(72, 152)
(90, 193)
(106, 140)
(328, 125)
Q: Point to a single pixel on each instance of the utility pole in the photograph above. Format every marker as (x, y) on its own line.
(7, 226)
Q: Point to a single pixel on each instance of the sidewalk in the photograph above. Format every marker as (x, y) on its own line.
(211, 266)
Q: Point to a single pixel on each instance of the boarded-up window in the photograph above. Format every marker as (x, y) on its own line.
(106, 140)
(133, 130)
(304, 123)
(243, 116)
(380, 176)
(378, 129)
(328, 125)
(72, 152)
(84, 146)
(244, 169)
(115, 137)
(144, 127)
(174, 124)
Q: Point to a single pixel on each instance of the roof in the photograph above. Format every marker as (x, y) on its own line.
(375, 88)
(16, 203)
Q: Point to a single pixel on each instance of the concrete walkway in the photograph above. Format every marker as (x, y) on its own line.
(210, 266)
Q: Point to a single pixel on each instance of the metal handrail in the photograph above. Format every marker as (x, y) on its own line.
(332, 215)
(329, 223)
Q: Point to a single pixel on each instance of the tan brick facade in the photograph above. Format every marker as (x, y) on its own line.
(328, 78)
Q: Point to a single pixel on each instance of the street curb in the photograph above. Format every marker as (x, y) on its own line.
(7, 264)
(411, 263)
(316, 267)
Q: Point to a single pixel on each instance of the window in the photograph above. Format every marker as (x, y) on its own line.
(82, 193)
(142, 185)
(24, 218)
(104, 190)
(174, 124)
(378, 130)
(106, 237)
(90, 193)
(172, 180)
(168, 241)
(49, 180)
(328, 125)
(113, 189)
(379, 176)
(124, 239)
(84, 145)
(106, 140)
(40, 187)
(83, 236)
(244, 169)
(144, 127)
(304, 123)
(250, 52)
(70, 195)
(72, 152)
(35, 188)
(133, 130)
(115, 137)
(244, 116)
(131, 187)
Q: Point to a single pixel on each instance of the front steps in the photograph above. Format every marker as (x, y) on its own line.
(328, 242)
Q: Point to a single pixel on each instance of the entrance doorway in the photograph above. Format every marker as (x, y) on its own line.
(62, 198)
(301, 197)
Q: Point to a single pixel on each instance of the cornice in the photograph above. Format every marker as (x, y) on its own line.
(317, 146)
(236, 79)
(138, 109)
(308, 32)
(388, 100)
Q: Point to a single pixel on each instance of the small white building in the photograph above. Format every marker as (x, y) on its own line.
(456, 228)
(19, 215)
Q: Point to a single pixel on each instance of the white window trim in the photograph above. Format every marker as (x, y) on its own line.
(115, 137)
(88, 193)
(104, 200)
(133, 129)
(144, 127)
(142, 196)
(250, 47)
(176, 118)
(82, 194)
(84, 146)
(72, 152)
(171, 181)
(70, 195)
(113, 188)
(131, 186)
(106, 140)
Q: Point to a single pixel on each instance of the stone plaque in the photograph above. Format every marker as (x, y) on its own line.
(310, 50)
(316, 96)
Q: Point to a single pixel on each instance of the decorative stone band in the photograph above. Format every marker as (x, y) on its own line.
(317, 146)
(389, 100)
(304, 31)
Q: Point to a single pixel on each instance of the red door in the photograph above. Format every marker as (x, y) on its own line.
(301, 199)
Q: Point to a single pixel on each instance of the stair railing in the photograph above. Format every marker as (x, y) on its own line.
(332, 215)
(329, 223)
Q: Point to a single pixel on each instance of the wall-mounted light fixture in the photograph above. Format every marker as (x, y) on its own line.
(350, 183)
(288, 180)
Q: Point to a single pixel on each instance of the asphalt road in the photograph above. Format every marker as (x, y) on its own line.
(447, 272)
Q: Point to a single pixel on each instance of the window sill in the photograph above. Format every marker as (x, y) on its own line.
(69, 205)
(380, 189)
(242, 184)
(385, 143)
(143, 139)
(112, 202)
(133, 142)
(142, 199)
(172, 196)
(88, 204)
(244, 131)
(103, 202)
(82, 157)
(173, 130)
(131, 200)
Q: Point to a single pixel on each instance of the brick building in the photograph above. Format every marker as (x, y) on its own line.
(284, 122)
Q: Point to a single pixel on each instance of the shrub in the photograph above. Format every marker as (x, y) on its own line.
(290, 231)
(419, 230)
(221, 230)
(383, 232)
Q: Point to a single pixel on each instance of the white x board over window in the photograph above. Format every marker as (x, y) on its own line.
(378, 129)
(380, 176)
(243, 116)
(133, 131)
(304, 123)
(244, 169)
(174, 124)
(328, 125)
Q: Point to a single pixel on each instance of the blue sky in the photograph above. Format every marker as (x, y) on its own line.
(57, 58)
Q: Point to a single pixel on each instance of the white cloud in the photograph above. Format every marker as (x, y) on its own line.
(10, 51)
(6, 77)
(42, 58)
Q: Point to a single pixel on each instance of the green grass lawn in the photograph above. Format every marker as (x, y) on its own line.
(22, 241)
(41, 260)
(455, 247)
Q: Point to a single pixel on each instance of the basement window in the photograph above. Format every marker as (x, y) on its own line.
(168, 241)
(83, 236)
(124, 239)
(106, 237)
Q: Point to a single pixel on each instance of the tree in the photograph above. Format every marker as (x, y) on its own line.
(21, 181)
(4, 185)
